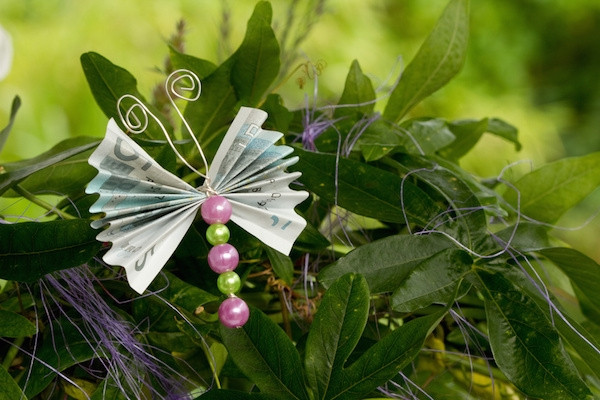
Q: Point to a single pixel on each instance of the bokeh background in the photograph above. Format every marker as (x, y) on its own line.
(533, 63)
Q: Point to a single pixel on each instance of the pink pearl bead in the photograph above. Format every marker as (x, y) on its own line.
(223, 257)
(216, 210)
(234, 312)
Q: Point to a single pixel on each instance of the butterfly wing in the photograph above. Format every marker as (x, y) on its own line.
(149, 209)
(249, 170)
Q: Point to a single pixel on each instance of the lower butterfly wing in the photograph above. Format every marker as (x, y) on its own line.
(144, 250)
(148, 208)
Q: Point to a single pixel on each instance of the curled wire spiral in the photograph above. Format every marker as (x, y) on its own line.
(178, 83)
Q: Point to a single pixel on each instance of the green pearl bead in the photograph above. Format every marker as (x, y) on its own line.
(217, 234)
(229, 282)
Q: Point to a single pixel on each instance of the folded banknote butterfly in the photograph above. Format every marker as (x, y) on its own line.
(149, 210)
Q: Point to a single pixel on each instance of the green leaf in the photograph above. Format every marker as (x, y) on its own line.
(30, 250)
(257, 61)
(267, 356)
(17, 171)
(384, 360)
(335, 331)
(525, 344)
(282, 265)
(467, 223)
(467, 134)
(214, 110)
(380, 139)
(427, 135)
(363, 189)
(222, 394)
(434, 280)
(15, 325)
(13, 113)
(108, 83)
(549, 191)
(526, 237)
(9, 390)
(358, 95)
(66, 348)
(581, 270)
(504, 130)
(279, 116)
(385, 263)
(202, 68)
(438, 60)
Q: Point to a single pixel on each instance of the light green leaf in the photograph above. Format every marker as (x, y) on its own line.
(9, 390)
(364, 190)
(525, 344)
(549, 191)
(380, 139)
(358, 94)
(581, 270)
(385, 263)
(30, 250)
(526, 237)
(335, 331)
(13, 113)
(438, 60)
(15, 325)
(202, 68)
(427, 135)
(434, 280)
(257, 61)
(282, 265)
(264, 353)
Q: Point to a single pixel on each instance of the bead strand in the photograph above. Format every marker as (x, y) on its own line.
(223, 258)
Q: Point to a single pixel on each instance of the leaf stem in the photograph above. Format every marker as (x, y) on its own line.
(36, 200)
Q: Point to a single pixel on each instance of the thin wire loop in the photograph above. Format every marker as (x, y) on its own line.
(135, 118)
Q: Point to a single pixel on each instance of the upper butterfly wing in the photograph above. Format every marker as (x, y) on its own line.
(249, 170)
(148, 208)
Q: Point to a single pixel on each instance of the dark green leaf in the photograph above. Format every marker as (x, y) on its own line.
(267, 356)
(335, 331)
(222, 394)
(13, 113)
(279, 116)
(582, 270)
(9, 390)
(358, 94)
(438, 60)
(17, 171)
(282, 265)
(427, 135)
(202, 68)
(257, 59)
(214, 110)
(311, 240)
(386, 262)
(549, 191)
(384, 360)
(66, 348)
(30, 250)
(15, 325)
(434, 280)
(364, 190)
(525, 345)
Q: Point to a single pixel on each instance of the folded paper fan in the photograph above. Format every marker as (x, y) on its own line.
(149, 210)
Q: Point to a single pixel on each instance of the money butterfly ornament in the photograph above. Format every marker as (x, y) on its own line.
(148, 209)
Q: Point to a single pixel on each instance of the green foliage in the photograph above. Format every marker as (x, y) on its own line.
(411, 270)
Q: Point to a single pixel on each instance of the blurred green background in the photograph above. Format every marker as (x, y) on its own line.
(533, 63)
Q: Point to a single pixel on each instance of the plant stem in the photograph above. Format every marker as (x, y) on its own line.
(36, 200)
(12, 352)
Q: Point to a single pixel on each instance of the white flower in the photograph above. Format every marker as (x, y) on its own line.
(6, 53)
